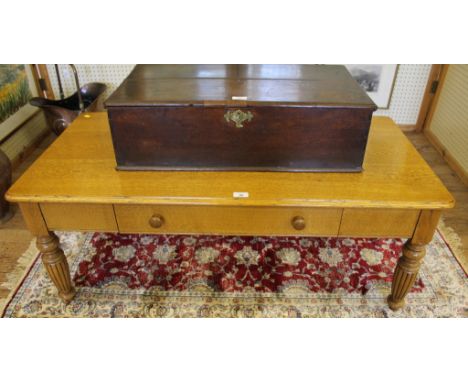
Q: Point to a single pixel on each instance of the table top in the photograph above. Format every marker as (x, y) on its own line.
(79, 167)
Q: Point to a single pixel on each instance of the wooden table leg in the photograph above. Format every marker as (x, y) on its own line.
(405, 274)
(52, 255)
(56, 264)
(409, 263)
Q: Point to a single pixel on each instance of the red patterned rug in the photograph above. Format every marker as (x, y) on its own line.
(217, 276)
(239, 264)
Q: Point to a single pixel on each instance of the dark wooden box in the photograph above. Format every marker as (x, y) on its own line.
(240, 117)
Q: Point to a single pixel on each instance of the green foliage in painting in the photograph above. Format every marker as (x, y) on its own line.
(14, 89)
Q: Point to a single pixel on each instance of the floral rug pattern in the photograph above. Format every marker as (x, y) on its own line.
(219, 276)
(238, 264)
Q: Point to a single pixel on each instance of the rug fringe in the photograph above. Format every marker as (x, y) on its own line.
(16, 276)
(455, 243)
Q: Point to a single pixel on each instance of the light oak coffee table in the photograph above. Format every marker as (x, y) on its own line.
(74, 186)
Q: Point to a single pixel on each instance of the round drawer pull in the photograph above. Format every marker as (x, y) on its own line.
(298, 222)
(156, 221)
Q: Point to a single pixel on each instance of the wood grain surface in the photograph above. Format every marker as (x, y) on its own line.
(256, 85)
(228, 220)
(80, 167)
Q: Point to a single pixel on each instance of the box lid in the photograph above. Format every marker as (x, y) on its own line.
(240, 85)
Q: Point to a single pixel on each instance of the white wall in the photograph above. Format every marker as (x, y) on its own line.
(406, 98)
(408, 93)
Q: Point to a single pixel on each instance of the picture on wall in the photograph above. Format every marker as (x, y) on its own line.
(16, 89)
(376, 80)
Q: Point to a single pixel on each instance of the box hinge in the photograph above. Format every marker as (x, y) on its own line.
(434, 86)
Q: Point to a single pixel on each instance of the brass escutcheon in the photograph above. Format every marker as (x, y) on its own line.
(238, 117)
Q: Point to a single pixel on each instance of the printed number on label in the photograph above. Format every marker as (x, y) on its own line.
(240, 195)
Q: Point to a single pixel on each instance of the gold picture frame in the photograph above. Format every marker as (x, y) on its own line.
(17, 87)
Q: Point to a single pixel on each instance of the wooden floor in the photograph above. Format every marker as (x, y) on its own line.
(15, 238)
(456, 218)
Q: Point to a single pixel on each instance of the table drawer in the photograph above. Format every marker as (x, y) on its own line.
(366, 222)
(83, 217)
(228, 220)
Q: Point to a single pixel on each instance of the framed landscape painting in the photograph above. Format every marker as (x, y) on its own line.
(376, 80)
(16, 89)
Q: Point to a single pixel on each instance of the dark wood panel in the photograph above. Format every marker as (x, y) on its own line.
(281, 139)
(300, 85)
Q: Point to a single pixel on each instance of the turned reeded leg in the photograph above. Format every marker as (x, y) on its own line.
(409, 263)
(405, 274)
(56, 265)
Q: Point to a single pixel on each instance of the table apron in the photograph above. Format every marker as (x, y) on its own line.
(231, 220)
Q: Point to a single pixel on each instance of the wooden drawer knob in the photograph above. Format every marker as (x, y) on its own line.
(156, 221)
(298, 222)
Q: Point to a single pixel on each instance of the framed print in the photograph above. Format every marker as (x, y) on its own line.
(17, 87)
(376, 80)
